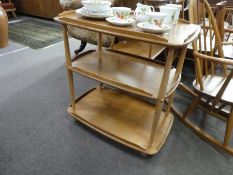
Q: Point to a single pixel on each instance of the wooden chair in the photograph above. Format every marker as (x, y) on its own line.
(9, 7)
(214, 77)
(228, 19)
(226, 31)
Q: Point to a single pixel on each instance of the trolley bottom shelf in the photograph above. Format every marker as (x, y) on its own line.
(123, 118)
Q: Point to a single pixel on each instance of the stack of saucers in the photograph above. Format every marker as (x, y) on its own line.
(95, 9)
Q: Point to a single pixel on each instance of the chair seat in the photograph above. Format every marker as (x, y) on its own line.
(228, 51)
(212, 85)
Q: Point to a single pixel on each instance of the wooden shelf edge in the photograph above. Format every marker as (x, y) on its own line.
(157, 144)
(96, 75)
(132, 48)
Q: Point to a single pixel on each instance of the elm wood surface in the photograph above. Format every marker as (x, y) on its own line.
(179, 35)
(131, 125)
(92, 71)
(138, 48)
(125, 72)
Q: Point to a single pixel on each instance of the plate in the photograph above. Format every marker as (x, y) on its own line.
(94, 12)
(91, 14)
(147, 27)
(120, 22)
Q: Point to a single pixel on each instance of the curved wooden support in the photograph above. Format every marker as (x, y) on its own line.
(200, 132)
(81, 47)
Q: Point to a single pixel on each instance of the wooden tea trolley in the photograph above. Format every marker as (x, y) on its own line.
(114, 113)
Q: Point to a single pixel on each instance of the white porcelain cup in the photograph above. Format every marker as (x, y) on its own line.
(171, 14)
(155, 18)
(121, 12)
(179, 7)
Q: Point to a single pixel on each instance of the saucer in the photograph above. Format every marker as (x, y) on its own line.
(94, 12)
(147, 27)
(91, 14)
(120, 22)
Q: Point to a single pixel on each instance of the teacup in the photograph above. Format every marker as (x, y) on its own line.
(122, 12)
(171, 14)
(155, 18)
(179, 7)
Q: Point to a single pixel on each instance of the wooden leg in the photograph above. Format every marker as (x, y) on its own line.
(180, 62)
(71, 86)
(68, 64)
(229, 128)
(191, 107)
(171, 98)
(150, 51)
(13, 13)
(178, 72)
(162, 93)
(81, 47)
(99, 44)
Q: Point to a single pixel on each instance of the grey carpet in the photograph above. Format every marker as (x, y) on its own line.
(37, 135)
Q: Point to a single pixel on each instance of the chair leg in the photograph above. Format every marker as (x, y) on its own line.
(229, 128)
(14, 14)
(191, 107)
(81, 47)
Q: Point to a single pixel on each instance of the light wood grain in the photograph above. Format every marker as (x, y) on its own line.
(122, 118)
(128, 120)
(212, 85)
(137, 48)
(179, 35)
(125, 72)
(3, 28)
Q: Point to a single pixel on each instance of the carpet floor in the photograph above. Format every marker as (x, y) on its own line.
(35, 33)
(38, 136)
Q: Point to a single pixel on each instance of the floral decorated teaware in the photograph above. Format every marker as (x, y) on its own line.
(141, 10)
